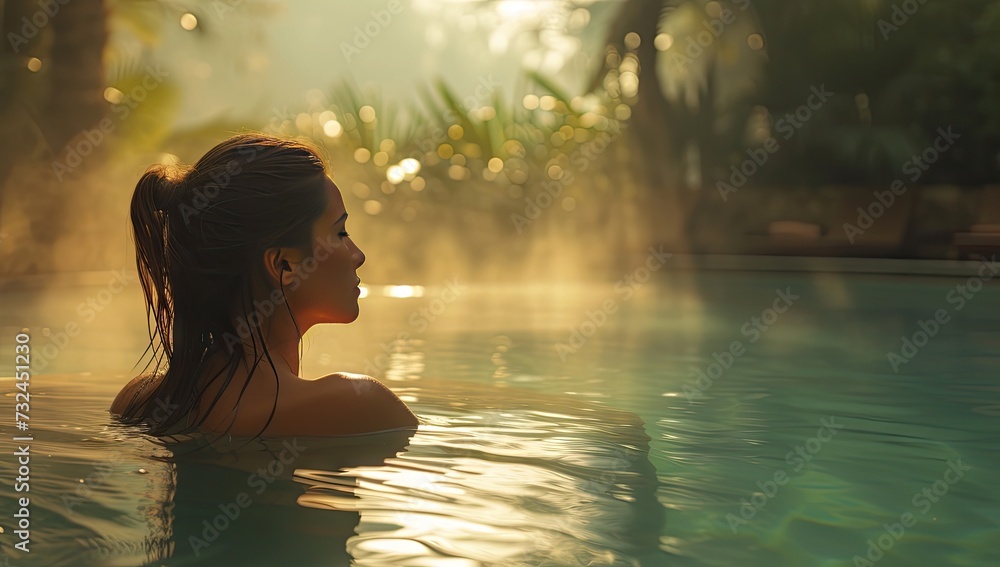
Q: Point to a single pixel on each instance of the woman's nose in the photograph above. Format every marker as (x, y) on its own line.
(359, 257)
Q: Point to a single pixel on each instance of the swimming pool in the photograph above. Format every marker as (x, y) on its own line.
(699, 418)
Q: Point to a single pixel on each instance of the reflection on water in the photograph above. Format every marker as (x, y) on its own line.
(512, 481)
(525, 484)
(571, 488)
(234, 503)
(525, 459)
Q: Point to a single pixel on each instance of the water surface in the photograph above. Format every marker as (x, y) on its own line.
(560, 426)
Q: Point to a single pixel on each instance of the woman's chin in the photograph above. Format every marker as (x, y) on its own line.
(348, 315)
(351, 314)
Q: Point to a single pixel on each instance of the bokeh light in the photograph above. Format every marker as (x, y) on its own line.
(189, 21)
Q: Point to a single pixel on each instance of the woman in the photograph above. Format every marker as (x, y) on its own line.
(238, 257)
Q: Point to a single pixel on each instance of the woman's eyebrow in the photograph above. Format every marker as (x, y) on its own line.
(342, 218)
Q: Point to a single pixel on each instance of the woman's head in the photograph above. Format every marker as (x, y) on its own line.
(252, 231)
(320, 279)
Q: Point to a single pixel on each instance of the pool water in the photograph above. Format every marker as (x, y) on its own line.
(698, 419)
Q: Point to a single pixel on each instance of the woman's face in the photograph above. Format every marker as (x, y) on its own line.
(327, 289)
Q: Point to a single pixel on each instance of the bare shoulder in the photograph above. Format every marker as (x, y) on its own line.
(143, 382)
(359, 383)
(356, 403)
(363, 390)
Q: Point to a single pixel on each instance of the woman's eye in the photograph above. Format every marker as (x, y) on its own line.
(343, 234)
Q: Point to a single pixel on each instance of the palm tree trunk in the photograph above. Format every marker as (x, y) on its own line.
(76, 71)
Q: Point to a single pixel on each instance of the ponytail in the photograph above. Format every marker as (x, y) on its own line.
(149, 231)
(154, 212)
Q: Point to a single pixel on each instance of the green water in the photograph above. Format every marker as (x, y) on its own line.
(603, 451)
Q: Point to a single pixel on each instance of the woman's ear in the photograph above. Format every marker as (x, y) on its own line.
(279, 266)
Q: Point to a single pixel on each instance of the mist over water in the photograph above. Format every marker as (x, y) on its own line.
(628, 262)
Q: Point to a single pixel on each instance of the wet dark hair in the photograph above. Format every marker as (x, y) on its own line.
(200, 234)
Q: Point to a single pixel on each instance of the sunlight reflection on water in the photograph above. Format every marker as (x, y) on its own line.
(523, 459)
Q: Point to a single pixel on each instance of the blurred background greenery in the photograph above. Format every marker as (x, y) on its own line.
(518, 139)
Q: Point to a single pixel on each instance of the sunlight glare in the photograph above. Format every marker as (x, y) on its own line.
(402, 291)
